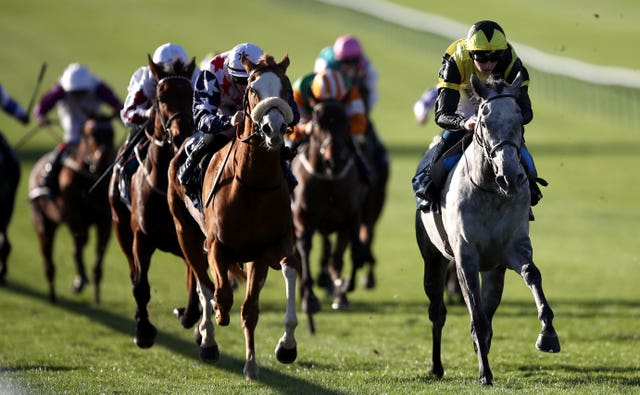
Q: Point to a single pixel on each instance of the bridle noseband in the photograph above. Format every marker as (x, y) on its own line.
(166, 123)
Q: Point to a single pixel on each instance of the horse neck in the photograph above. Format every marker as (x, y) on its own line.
(254, 164)
(158, 156)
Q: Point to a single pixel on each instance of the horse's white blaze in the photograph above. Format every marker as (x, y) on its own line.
(267, 85)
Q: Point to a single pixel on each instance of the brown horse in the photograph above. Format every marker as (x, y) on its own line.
(327, 200)
(147, 224)
(74, 205)
(374, 199)
(249, 218)
(10, 170)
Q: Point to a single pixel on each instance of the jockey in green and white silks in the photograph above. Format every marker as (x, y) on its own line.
(484, 52)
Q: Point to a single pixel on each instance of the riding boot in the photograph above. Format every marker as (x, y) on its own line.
(532, 174)
(51, 171)
(195, 153)
(427, 188)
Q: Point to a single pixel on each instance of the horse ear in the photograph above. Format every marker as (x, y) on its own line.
(153, 67)
(515, 85)
(191, 66)
(284, 63)
(248, 65)
(478, 87)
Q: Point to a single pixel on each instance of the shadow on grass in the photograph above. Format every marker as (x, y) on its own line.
(269, 377)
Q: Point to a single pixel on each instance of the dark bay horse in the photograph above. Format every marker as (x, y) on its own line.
(484, 227)
(248, 220)
(327, 200)
(147, 225)
(10, 170)
(74, 205)
(374, 199)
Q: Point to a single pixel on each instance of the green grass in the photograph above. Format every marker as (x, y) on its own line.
(583, 138)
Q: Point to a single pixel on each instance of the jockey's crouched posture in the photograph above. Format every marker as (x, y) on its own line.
(218, 109)
(326, 85)
(484, 52)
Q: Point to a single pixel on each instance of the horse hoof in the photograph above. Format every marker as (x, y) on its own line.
(145, 338)
(369, 281)
(341, 303)
(548, 343)
(437, 371)
(78, 284)
(285, 355)
(210, 354)
(222, 319)
(486, 381)
(310, 305)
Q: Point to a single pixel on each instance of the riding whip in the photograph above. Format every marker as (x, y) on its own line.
(125, 152)
(215, 181)
(43, 68)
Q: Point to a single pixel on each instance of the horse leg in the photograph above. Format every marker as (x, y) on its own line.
(205, 331)
(80, 238)
(5, 249)
(46, 230)
(548, 338)
(223, 294)
(324, 278)
(188, 316)
(492, 287)
(467, 270)
(103, 236)
(145, 331)
(256, 276)
(340, 287)
(286, 350)
(366, 238)
(433, 282)
(309, 302)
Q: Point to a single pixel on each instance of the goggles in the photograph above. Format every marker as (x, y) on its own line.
(484, 56)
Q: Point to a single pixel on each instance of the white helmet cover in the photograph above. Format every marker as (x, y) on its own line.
(169, 53)
(234, 58)
(76, 77)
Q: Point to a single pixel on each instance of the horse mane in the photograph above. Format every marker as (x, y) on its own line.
(494, 83)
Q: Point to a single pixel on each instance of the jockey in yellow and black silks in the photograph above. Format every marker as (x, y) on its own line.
(484, 52)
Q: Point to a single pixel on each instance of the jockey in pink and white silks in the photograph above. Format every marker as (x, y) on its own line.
(218, 109)
(79, 96)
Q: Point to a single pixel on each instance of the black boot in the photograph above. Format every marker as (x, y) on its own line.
(428, 189)
(51, 171)
(195, 153)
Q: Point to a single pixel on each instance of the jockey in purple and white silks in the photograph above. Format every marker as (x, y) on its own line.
(218, 108)
(79, 96)
(484, 52)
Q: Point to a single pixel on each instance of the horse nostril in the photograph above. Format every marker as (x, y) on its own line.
(266, 129)
(502, 182)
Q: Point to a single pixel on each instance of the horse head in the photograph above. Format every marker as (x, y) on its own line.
(499, 130)
(329, 135)
(266, 100)
(174, 99)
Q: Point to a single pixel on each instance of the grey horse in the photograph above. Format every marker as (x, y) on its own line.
(483, 226)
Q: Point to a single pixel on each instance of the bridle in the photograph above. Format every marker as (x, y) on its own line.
(489, 151)
(166, 122)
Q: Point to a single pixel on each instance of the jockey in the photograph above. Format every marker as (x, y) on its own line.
(79, 96)
(218, 109)
(12, 107)
(425, 104)
(347, 55)
(484, 52)
(314, 88)
(141, 91)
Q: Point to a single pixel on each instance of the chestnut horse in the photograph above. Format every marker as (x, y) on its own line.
(249, 218)
(484, 227)
(10, 170)
(75, 205)
(327, 200)
(147, 225)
